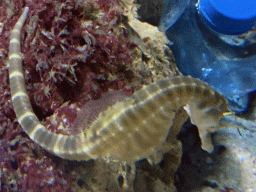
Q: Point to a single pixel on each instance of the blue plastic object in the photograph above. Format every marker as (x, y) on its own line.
(172, 12)
(228, 16)
(226, 62)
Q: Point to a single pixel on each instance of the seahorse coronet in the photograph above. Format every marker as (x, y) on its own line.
(129, 129)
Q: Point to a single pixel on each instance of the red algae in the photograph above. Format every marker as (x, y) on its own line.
(73, 52)
(25, 166)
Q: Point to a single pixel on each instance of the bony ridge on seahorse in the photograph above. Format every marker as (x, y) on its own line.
(128, 130)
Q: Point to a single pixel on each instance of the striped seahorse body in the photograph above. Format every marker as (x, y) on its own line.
(127, 130)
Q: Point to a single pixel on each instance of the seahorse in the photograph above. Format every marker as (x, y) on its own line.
(128, 130)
